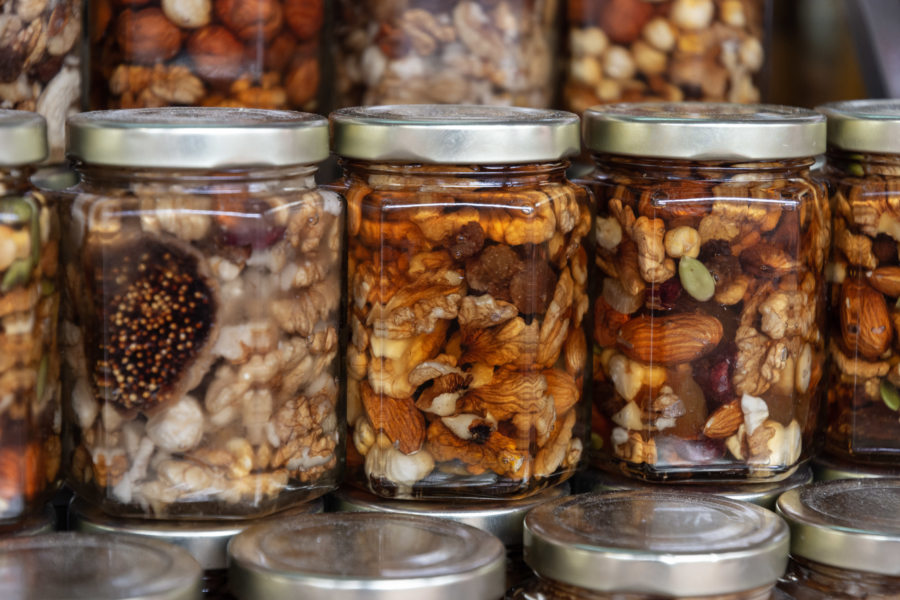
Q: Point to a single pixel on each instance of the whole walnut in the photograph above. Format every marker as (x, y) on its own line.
(304, 17)
(302, 81)
(147, 36)
(218, 55)
(251, 19)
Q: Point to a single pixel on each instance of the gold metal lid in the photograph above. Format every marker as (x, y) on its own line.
(455, 134)
(656, 543)
(850, 524)
(349, 556)
(864, 125)
(829, 468)
(196, 138)
(704, 131)
(23, 138)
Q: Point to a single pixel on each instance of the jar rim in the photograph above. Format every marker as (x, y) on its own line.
(871, 125)
(23, 138)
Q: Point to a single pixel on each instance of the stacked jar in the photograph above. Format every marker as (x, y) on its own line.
(709, 293)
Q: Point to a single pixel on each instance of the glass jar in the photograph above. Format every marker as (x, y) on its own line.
(502, 518)
(30, 410)
(467, 292)
(711, 238)
(348, 556)
(863, 173)
(646, 545)
(258, 53)
(844, 540)
(201, 321)
(453, 52)
(40, 56)
(671, 50)
(38, 523)
(100, 567)
(206, 541)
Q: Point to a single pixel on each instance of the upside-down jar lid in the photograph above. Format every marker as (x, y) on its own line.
(96, 567)
(455, 134)
(23, 138)
(206, 541)
(353, 556)
(502, 518)
(196, 138)
(864, 125)
(665, 543)
(849, 524)
(704, 131)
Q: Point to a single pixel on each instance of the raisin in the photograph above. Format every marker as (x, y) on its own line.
(467, 242)
(885, 249)
(531, 289)
(492, 270)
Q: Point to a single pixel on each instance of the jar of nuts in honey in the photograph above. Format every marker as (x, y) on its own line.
(203, 274)
(711, 239)
(467, 296)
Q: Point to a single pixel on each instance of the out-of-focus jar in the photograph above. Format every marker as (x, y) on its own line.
(201, 323)
(206, 541)
(502, 518)
(100, 567)
(30, 411)
(37, 523)
(844, 540)
(453, 52)
(467, 296)
(647, 545)
(711, 239)
(762, 494)
(349, 556)
(671, 50)
(863, 173)
(828, 468)
(235, 53)
(40, 56)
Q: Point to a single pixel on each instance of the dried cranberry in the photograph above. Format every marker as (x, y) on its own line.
(714, 374)
(665, 295)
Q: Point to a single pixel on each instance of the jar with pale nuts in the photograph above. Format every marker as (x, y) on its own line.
(451, 52)
(201, 317)
(844, 540)
(650, 545)
(709, 294)
(232, 53)
(467, 280)
(863, 172)
(30, 410)
(664, 50)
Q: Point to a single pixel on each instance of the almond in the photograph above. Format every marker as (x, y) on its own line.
(886, 280)
(865, 320)
(671, 339)
(398, 418)
(724, 422)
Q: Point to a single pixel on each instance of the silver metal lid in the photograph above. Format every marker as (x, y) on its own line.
(761, 494)
(196, 138)
(666, 543)
(828, 468)
(704, 131)
(38, 523)
(96, 567)
(850, 524)
(23, 138)
(864, 125)
(455, 134)
(206, 541)
(355, 556)
(501, 518)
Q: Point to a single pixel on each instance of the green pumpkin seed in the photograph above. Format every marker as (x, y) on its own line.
(596, 441)
(856, 170)
(696, 279)
(15, 211)
(889, 395)
(48, 288)
(18, 273)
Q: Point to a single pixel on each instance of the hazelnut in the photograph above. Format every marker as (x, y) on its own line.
(147, 36)
(217, 55)
(623, 20)
(732, 13)
(585, 70)
(279, 52)
(659, 34)
(693, 14)
(251, 19)
(189, 14)
(304, 17)
(648, 59)
(590, 41)
(617, 63)
(302, 81)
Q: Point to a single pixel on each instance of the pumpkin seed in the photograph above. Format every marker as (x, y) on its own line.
(696, 279)
(889, 395)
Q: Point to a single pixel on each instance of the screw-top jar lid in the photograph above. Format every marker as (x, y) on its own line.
(864, 125)
(23, 138)
(704, 131)
(502, 518)
(96, 567)
(196, 138)
(345, 556)
(206, 541)
(849, 524)
(829, 468)
(666, 543)
(38, 523)
(455, 134)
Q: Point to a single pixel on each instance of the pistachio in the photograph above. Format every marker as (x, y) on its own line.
(889, 395)
(696, 279)
(17, 274)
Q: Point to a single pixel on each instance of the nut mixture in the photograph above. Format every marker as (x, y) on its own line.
(30, 412)
(708, 320)
(40, 62)
(495, 52)
(671, 50)
(201, 339)
(864, 278)
(467, 353)
(256, 53)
